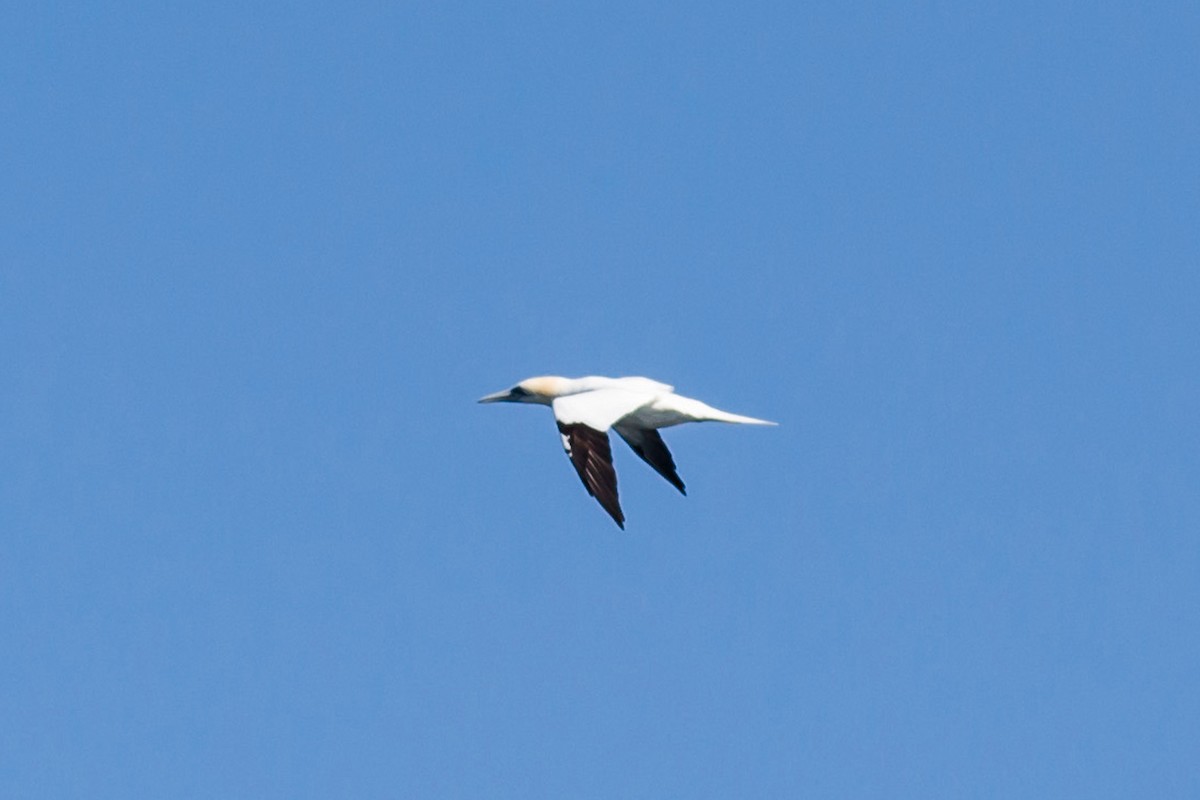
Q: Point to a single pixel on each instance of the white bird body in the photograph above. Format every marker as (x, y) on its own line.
(636, 408)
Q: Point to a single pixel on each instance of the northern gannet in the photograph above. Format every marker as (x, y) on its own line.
(585, 409)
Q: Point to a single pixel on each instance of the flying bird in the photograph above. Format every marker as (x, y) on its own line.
(586, 408)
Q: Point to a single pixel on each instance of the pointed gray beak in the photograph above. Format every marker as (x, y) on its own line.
(498, 397)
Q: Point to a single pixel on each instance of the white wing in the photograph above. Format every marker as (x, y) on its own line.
(639, 384)
(599, 409)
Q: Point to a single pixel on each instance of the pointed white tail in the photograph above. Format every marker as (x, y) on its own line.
(725, 416)
(702, 412)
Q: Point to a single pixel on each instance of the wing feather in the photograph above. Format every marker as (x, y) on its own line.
(650, 447)
(591, 455)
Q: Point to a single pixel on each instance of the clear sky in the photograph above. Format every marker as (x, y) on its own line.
(257, 262)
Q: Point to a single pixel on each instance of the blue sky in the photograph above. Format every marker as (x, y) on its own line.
(258, 261)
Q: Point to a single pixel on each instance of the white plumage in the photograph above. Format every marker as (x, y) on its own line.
(587, 408)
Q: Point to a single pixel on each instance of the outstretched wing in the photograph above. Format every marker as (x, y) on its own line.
(591, 454)
(583, 420)
(651, 448)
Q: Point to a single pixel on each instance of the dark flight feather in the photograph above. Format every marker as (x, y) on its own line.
(651, 448)
(591, 455)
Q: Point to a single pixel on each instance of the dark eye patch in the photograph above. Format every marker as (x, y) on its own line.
(517, 391)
